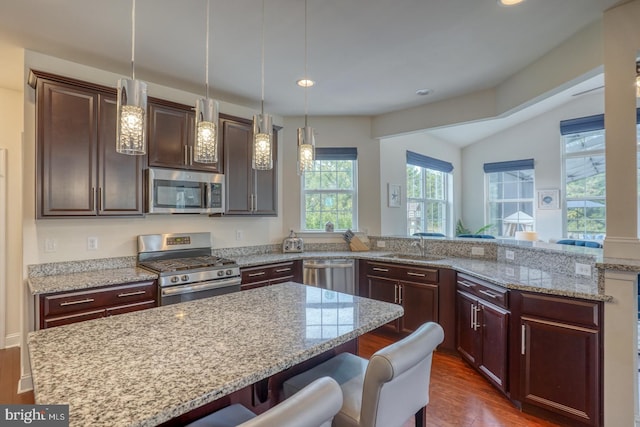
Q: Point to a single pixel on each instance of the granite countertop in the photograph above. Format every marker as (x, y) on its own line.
(146, 367)
(88, 279)
(509, 275)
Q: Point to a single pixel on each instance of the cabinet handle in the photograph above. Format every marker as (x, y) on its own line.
(93, 199)
(261, 273)
(82, 301)
(409, 273)
(99, 199)
(523, 339)
(465, 284)
(473, 324)
(384, 270)
(130, 294)
(489, 294)
(400, 292)
(395, 294)
(282, 270)
(185, 155)
(190, 156)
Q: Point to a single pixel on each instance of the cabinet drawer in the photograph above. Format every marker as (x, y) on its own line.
(403, 272)
(72, 318)
(484, 290)
(568, 310)
(136, 306)
(72, 302)
(272, 271)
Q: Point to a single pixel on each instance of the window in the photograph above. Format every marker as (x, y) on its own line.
(510, 199)
(428, 187)
(329, 190)
(583, 148)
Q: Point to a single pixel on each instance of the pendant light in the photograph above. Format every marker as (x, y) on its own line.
(638, 79)
(131, 131)
(306, 141)
(206, 146)
(262, 126)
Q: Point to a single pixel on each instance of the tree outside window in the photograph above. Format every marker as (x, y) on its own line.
(427, 200)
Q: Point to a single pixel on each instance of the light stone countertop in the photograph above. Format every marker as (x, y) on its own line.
(88, 279)
(509, 275)
(146, 367)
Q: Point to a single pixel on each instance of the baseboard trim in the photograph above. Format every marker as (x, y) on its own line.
(25, 384)
(12, 340)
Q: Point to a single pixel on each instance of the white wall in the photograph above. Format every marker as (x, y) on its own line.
(11, 139)
(393, 155)
(334, 132)
(538, 138)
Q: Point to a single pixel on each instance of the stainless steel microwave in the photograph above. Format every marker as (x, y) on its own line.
(172, 191)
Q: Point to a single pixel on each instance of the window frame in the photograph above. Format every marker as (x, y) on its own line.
(353, 191)
(447, 181)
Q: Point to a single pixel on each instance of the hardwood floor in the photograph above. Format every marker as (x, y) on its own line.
(9, 377)
(459, 396)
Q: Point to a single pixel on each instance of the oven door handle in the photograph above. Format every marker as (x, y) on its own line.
(198, 287)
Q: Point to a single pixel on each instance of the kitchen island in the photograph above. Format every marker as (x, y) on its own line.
(147, 367)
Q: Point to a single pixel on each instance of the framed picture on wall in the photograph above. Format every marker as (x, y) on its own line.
(549, 199)
(393, 195)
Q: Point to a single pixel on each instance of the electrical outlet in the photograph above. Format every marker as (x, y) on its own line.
(92, 243)
(381, 244)
(50, 245)
(509, 271)
(239, 235)
(509, 255)
(583, 269)
(477, 250)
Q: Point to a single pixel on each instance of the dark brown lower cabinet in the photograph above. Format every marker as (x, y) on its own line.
(63, 308)
(482, 335)
(560, 358)
(271, 274)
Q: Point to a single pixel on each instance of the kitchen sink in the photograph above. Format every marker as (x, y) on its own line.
(416, 257)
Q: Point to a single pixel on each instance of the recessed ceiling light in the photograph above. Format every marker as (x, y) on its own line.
(305, 83)
(509, 2)
(423, 92)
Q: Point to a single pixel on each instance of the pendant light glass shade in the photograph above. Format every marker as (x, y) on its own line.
(131, 134)
(206, 149)
(262, 142)
(306, 149)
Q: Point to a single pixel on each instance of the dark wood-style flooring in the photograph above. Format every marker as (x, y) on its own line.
(459, 396)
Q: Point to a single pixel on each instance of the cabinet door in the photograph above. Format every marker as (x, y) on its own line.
(120, 175)
(494, 324)
(420, 302)
(559, 367)
(249, 192)
(168, 136)
(236, 137)
(466, 330)
(385, 290)
(66, 144)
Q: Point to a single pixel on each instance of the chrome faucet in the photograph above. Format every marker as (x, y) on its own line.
(421, 246)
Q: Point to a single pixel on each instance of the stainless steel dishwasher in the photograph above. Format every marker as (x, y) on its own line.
(335, 274)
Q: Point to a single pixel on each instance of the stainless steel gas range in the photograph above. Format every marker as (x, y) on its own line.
(186, 267)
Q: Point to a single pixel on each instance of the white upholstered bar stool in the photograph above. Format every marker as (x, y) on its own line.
(314, 406)
(385, 391)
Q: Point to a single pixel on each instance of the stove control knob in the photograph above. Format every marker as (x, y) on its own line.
(175, 279)
(185, 278)
(220, 272)
(228, 272)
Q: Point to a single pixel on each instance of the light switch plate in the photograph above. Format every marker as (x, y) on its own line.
(583, 269)
(477, 250)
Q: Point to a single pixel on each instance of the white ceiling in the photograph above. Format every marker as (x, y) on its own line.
(367, 56)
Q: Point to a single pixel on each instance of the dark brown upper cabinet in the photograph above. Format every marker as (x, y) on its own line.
(171, 138)
(78, 171)
(249, 192)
